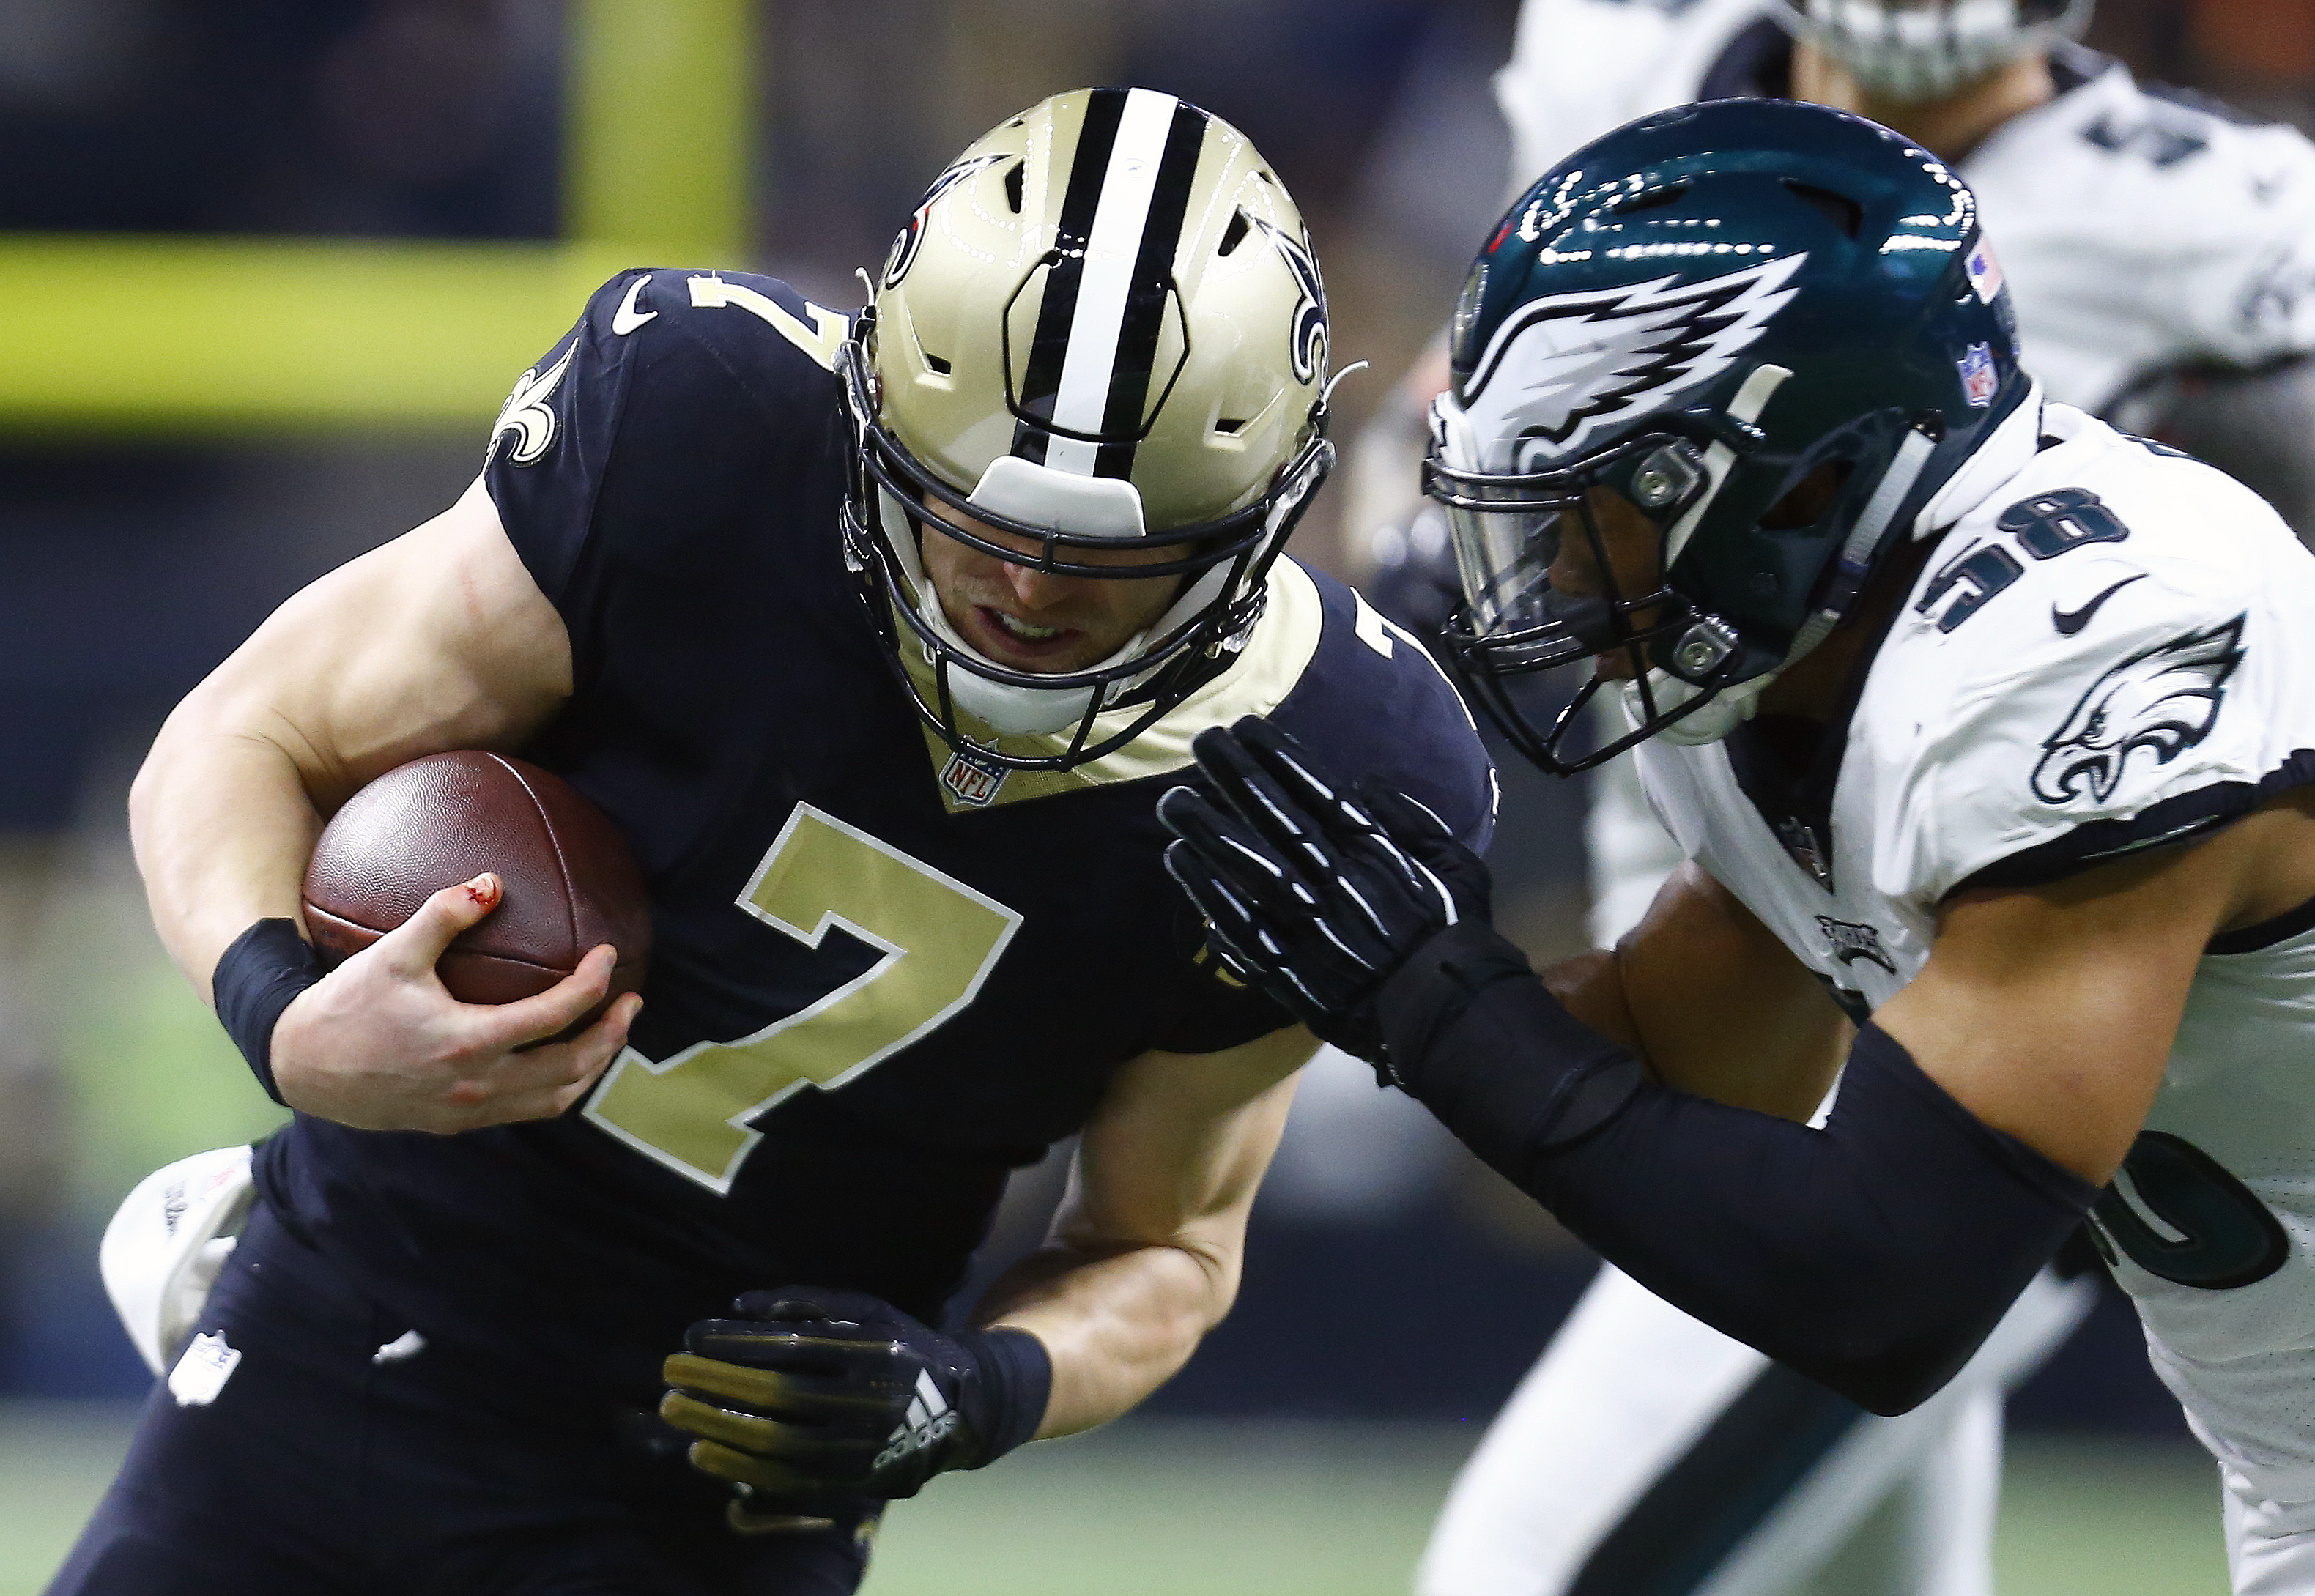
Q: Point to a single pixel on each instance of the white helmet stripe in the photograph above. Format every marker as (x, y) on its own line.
(1115, 244)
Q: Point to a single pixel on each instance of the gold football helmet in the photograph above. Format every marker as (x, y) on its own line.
(1103, 327)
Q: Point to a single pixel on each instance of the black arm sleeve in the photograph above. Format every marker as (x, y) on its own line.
(1872, 1256)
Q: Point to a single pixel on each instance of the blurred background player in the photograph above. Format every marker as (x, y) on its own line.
(2197, 329)
(892, 623)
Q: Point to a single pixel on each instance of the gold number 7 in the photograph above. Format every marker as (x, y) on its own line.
(939, 938)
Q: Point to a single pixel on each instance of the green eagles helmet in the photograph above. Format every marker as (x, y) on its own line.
(1698, 312)
(1103, 329)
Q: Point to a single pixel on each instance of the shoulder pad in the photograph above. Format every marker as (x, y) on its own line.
(1375, 702)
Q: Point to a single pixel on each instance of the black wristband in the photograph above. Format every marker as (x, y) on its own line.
(266, 966)
(1016, 1381)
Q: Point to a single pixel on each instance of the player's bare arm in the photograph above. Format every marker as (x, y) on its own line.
(1146, 1250)
(2050, 1013)
(1713, 1002)
(438, 640)
(1142, 1261)
(2047, 1013)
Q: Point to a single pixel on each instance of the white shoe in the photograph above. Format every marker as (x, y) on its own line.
(164, 1246)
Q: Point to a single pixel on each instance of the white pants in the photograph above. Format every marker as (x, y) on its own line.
(2270, 1545)
(1647, 1454)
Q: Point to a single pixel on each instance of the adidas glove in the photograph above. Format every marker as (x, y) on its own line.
(810, 1394)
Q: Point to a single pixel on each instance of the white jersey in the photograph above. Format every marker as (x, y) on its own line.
(2138, 232)
(2110, 649)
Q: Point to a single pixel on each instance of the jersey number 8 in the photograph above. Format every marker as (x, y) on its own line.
(2045, 525)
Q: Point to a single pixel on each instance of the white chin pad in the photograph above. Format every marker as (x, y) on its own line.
(1730, 708)
(1007, 709)
(1036, 496)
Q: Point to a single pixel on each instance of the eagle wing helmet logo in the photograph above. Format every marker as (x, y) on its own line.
(1570, 365)
(2165, 698)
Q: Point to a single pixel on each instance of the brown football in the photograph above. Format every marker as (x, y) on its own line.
(569, 882)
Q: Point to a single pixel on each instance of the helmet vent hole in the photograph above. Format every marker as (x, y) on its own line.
(1652, 199)
(1235, 233)
(1839, 209)
(935, 364)
(1012, 186)
(1231, 426)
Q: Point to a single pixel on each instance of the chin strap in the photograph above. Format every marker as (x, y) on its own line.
(1856, 562)
(1727, 709)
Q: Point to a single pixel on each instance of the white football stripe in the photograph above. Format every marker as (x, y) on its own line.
(1111, 248)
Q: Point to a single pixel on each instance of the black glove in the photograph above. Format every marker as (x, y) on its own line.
(813, 1395)
(1314, 896)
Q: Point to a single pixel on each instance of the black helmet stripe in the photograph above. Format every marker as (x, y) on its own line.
(1041, 381)
(1088, 372)
(1144, 317)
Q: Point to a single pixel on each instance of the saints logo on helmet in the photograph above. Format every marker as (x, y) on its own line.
(1753, 335)
(1101, 334)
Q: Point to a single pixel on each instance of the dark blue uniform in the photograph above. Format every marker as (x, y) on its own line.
(873, 993)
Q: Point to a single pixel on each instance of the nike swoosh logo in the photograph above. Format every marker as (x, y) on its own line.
(2069, 621)
(625, 320)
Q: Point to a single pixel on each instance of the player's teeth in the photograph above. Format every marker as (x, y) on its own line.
(1024, 630)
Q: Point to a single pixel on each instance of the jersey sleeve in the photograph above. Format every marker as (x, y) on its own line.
(551, 446)
(2166, 716)
(680, 400)
(1373, 702)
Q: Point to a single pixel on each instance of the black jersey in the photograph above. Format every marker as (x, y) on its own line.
(883, 977)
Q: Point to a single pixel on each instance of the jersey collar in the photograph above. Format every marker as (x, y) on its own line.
(1284, 643)
(2008, 450)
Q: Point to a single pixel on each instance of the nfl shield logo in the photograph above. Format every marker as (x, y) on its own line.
(973, 782)
(1978, 378)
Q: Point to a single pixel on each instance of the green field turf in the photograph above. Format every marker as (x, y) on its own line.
(1161, 1508)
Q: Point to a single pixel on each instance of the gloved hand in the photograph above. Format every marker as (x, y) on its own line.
(1315, 896)
(811, 1394)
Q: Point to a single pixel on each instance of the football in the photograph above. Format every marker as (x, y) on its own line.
(570, 883)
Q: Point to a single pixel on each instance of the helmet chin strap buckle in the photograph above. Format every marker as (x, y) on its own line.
(1703, 649)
